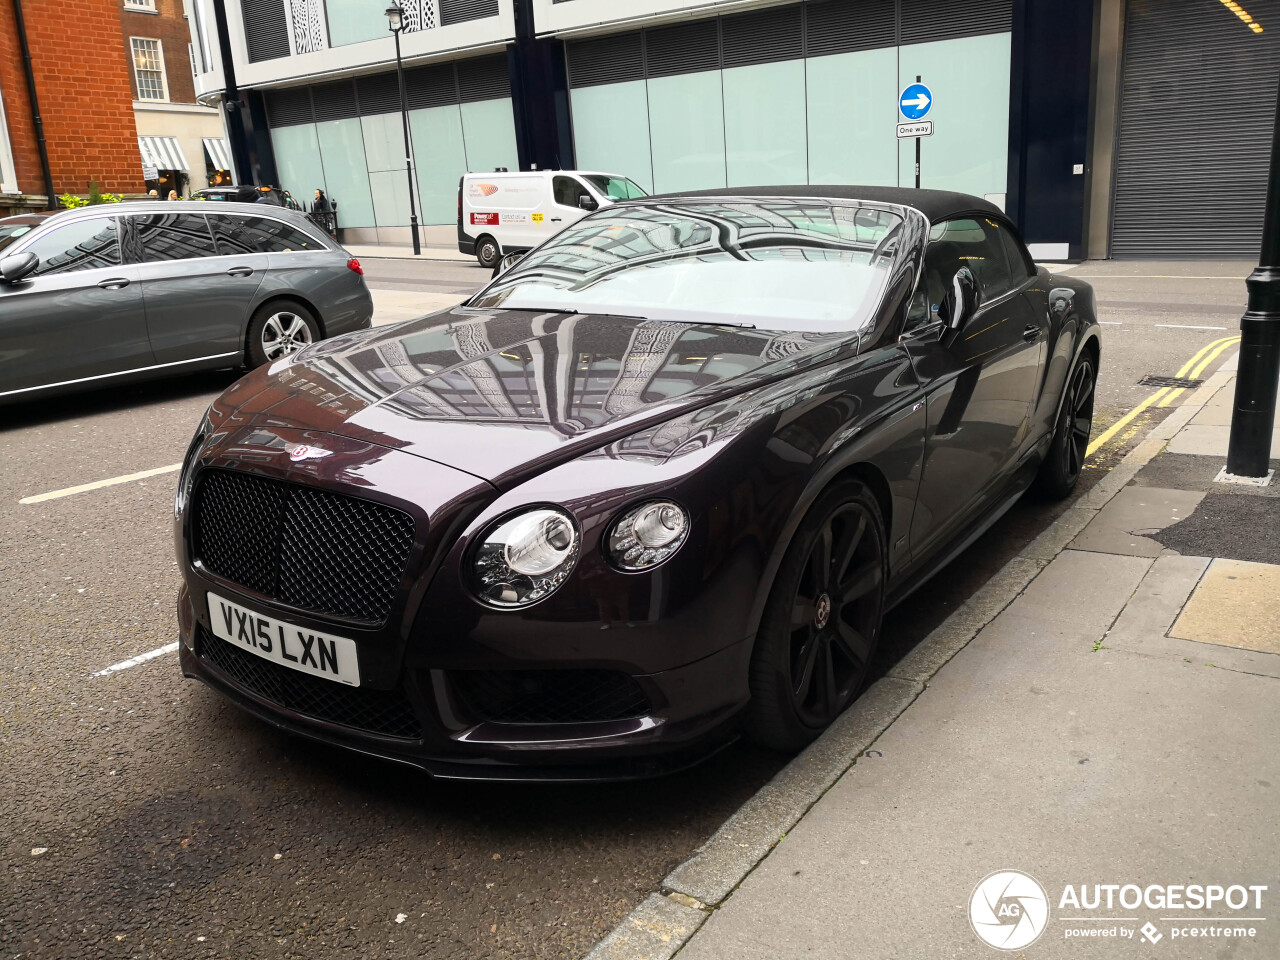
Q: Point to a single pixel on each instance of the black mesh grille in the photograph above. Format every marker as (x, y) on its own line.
(314, 550)
(386, 712)
(549, 696)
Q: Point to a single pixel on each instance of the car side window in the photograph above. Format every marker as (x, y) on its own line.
(172, 236)
(83, 245)
(1020, 262)
(240, 235)
(976, 244)
(566, 191)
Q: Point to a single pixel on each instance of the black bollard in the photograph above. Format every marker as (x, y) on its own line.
(1253, 414)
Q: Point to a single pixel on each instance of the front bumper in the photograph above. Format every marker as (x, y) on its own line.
(693, 715)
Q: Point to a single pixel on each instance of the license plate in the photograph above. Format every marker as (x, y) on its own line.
(308, 651)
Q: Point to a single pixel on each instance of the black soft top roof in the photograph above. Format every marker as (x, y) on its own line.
(934, 204)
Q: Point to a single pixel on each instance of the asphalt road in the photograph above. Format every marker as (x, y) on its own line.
(145, 817)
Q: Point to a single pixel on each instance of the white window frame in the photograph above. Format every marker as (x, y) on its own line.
(191, 55)
(149, 6)
(137, 80)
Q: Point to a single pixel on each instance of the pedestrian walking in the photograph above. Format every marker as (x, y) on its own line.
(322, 202)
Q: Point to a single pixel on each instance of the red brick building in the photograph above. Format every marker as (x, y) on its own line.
(85, 98)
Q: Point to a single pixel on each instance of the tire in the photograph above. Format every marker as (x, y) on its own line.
(488, 252)
(1060, 471)
(278, 329)
(821, 622)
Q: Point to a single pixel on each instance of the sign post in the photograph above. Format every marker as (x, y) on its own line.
(914, 104)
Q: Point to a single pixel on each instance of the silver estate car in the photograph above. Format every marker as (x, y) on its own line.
(110, 293)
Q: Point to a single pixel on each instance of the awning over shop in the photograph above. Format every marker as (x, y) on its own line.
(163, 153)
(219, 153)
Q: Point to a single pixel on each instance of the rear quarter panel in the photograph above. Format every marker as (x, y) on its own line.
(322, 280)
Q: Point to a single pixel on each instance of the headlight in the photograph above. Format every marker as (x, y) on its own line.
(185, 475)
(526, 557)
(646, 535)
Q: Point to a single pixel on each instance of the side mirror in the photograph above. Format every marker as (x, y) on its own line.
(961, 301)
(506, 263)
(18, 266)
(587, 202)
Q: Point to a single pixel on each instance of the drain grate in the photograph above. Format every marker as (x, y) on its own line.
(1153, 381)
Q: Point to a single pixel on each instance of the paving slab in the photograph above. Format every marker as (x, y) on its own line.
(1125, 525)
(1235, 604)
(1084, 590)
(1208, 440)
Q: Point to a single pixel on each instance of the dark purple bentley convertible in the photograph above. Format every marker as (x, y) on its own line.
(653, 487)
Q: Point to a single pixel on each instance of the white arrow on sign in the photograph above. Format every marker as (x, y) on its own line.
(920, 101)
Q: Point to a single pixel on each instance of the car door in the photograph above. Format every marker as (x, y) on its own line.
(565, 191)
(78, 316)
(197, 301)
(979, 380)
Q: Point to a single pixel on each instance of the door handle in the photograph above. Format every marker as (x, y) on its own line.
(240, 272)
(1031, 332)
(115, 283)
(555, 219)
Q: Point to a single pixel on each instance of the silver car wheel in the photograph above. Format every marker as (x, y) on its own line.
(284, 333)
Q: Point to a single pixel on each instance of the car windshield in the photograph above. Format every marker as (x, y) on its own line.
(10, 232)
(805, 265)
(615, 188)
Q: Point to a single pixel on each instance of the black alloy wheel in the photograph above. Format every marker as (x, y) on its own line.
(1061, 469)
(488, 252)
(822, 621)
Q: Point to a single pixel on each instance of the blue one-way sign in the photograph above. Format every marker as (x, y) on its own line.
(915, 101)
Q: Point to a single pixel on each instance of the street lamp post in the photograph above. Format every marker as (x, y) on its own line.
(395, 19)
(1253, 414)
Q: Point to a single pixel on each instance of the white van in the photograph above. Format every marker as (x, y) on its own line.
(501, 212)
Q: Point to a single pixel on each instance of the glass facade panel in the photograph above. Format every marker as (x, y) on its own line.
(390, 189)
(437, 146)
(489, 134)
(383, 141)
(298, 161)
(969, 78)
(354, 21)
(764, 124)
(347, 177)
(686, 124)
(611, 130)
(852, 113)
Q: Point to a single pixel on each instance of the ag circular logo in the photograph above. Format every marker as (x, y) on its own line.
(1009, 910)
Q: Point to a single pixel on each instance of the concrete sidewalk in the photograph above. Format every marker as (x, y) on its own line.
(387, 251)
(1104, 712)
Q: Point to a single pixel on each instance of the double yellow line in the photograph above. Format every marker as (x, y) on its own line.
(1166, 395)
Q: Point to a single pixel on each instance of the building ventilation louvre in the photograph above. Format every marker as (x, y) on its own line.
(838, 26)
(432, 86)
(334, 101)
(378, 94)
(927, 20)
(686, 48)
(460, 11)
(764, 36)
(1192, 160)
(607, 60)
(289, 107)
(266, 33)
(483, 78)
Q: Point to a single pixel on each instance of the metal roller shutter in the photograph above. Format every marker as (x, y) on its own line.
(1195, 129)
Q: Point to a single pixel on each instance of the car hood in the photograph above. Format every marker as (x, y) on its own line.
(501, 393)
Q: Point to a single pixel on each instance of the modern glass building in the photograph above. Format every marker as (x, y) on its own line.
(1044, 108)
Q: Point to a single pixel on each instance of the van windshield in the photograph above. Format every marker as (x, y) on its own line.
(615, 188)
(801, 265)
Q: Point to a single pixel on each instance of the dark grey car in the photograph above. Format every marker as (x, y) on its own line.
(105, 294)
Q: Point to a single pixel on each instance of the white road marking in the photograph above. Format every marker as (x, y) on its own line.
(1111, 323)
(1149, 276)
(1186, 326)
(99, 484)
(140, 658)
